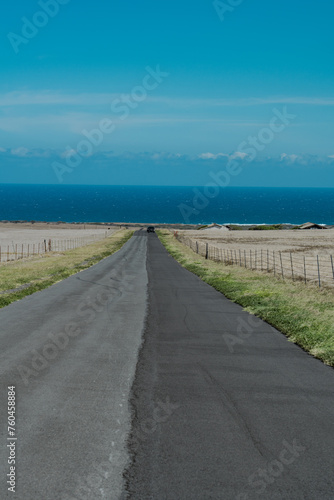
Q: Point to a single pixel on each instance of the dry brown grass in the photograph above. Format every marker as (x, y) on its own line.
(300, 251)
(34, 274)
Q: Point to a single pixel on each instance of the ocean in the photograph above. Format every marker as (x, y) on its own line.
(156, 204)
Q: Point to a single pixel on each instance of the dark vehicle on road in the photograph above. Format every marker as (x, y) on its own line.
(150, 229)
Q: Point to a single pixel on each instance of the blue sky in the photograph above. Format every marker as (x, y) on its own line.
(225, 73)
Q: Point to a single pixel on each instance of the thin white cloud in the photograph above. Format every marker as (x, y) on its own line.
(22, 124)
(238, 156)
(21, 151)
(68, 153)
(211, 156)
(245, 102)
(51, 97)
(290, 158)
(47, 97)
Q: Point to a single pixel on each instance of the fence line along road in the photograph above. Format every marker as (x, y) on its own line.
(17, 251)
(317, 269)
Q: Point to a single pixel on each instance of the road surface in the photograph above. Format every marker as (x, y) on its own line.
(247, 414)
(72, 412)
(222, 405)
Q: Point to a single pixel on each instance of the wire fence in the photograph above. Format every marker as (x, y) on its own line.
(316, 269)
(16, 251)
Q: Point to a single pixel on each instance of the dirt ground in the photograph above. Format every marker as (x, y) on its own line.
(308, 242)
(298, 254)
(27, 233)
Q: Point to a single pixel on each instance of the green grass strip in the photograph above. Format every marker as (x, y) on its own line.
(32, 275)
(303, 313)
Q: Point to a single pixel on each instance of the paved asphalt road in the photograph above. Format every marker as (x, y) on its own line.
(226, 407)
(72, 411)
(223, 406)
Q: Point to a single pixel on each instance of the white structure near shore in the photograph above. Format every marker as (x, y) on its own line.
(215, 226)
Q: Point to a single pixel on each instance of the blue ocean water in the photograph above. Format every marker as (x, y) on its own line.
(149, 204)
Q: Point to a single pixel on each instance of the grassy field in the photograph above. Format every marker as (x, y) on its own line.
(24, 277)
(304, 313)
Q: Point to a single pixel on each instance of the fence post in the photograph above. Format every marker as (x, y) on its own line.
(245, 259)
(7, 253)
(318, 271)
(250, 259)
(267, 260)
(280, 256)
(207, 250)
(292, 275)
(261, 261)
(305, 269)
(0, 253)
(274, 263)
(240, 256)
(16, 251)
(196, 246)
(332, 266)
